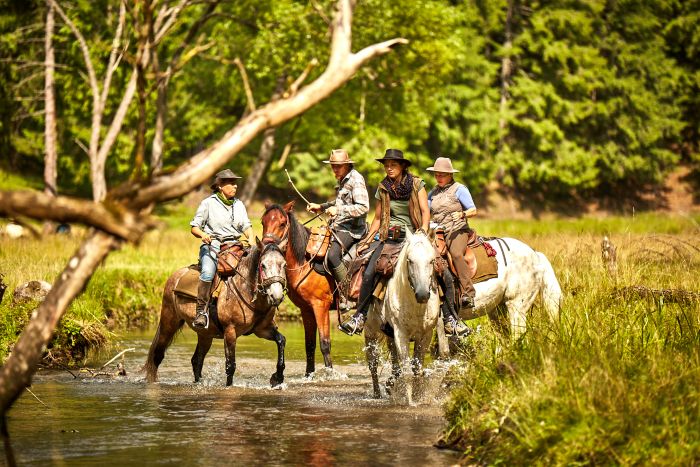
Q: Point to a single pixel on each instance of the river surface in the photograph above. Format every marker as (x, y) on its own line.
(327, 419)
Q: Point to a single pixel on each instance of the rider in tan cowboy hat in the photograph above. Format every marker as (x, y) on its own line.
(451, 205)
(348, 214)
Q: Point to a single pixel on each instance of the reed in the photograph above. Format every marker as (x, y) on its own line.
(616, 380)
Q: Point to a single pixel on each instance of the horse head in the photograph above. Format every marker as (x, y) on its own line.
(275, 223)
(420, 256)
(271, 277)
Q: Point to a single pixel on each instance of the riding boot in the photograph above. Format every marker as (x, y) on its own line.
(453, 326)
(466, 299)
(201, 319)
(340, 274)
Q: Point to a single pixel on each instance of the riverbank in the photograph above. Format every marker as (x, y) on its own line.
(615, 381)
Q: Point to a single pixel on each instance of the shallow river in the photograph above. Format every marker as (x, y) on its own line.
(327, 419)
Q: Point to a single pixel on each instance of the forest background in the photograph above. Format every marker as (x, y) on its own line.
(556, 104)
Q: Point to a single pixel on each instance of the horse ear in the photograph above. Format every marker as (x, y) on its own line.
(408, 235)
(267, 204)
(258, 243)
(288, 207)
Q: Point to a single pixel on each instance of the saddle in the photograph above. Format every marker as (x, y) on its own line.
(480, 256)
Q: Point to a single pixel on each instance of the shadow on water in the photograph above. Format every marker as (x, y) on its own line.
(327, 419)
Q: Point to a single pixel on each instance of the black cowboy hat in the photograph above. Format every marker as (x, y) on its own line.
(226, 174)
(394, 155)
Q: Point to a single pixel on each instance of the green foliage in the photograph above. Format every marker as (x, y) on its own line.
(613, 382)
(602, 97)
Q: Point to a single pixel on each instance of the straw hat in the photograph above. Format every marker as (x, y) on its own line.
(339, 157)
(443, 164)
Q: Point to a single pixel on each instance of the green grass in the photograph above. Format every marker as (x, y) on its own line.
(10, 181)
(615, 381)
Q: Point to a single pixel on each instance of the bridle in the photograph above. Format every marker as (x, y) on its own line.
(261, 282)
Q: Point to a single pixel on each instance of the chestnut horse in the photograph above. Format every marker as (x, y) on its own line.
(308, 290)
(245, 306)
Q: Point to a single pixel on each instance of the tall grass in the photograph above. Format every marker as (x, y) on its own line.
(616, 380)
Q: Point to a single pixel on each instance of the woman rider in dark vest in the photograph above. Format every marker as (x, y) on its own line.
(402, 203)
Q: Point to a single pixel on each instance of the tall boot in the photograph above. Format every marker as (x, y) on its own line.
(466, 299)
(201, 319)
(450, 317)
(340, 274)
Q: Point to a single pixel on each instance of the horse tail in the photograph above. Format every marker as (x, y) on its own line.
(551, 291)
(168, 325)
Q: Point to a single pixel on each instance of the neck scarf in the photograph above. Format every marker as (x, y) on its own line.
(223, 199)
(400, 190)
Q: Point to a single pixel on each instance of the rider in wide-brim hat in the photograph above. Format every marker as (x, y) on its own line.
(221, 218)
(226, 174)
(394, 155)
(451, 205)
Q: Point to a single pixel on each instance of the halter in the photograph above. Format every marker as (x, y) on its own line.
(261, 281)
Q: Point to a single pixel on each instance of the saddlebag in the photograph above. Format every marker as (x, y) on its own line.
(229, 257)
(319, 240)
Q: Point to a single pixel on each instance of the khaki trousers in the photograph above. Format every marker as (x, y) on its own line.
(457, 245)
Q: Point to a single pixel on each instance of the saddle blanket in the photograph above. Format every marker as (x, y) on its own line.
(486, 264)
(187, 284)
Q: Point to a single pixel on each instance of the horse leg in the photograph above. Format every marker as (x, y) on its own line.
(168, 325)
(395, 364)
(203, 346)
(420, 348)
(372, 355)
(517, 312)
(323, 321)
(273, 334)
(230, 353)
(402, 360)
(309, 321)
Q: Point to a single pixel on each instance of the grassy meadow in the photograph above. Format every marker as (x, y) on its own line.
(617, 379)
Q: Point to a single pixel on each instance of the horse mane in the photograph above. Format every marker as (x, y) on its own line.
(298, 234)
(298, 238)
(251, 262)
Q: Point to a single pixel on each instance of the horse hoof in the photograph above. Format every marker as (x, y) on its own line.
(274, 381)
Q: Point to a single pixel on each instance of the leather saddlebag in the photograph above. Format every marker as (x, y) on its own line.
(388, 258)
(319, 240)
(229, 257)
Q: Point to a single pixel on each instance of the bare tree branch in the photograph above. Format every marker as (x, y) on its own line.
(342, 65)
(246, 85)
(110, 217)
(295, 85)
(16, 373)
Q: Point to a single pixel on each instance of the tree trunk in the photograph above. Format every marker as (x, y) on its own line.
(267, 148)
(506, 71)
(158, 136)
(50, 151)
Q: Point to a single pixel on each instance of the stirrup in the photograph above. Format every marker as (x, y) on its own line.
(196, 324)
(465, 301)
(354, 325)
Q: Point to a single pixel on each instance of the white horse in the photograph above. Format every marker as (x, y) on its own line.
(523, 275)
(411, 307)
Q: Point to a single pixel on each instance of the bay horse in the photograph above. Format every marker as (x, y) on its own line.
(245, 306)
(308, 290)
(411, 306)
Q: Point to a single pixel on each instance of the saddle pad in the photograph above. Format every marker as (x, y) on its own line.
(486, 266)
(187, 285)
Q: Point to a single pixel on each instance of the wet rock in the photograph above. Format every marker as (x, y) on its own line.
(32, 290)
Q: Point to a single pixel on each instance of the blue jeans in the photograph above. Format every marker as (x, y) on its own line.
(208, 255)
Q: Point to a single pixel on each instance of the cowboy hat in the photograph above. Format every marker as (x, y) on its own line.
(443, 164)
(339, 157)
(394, 155)
(226, 174)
